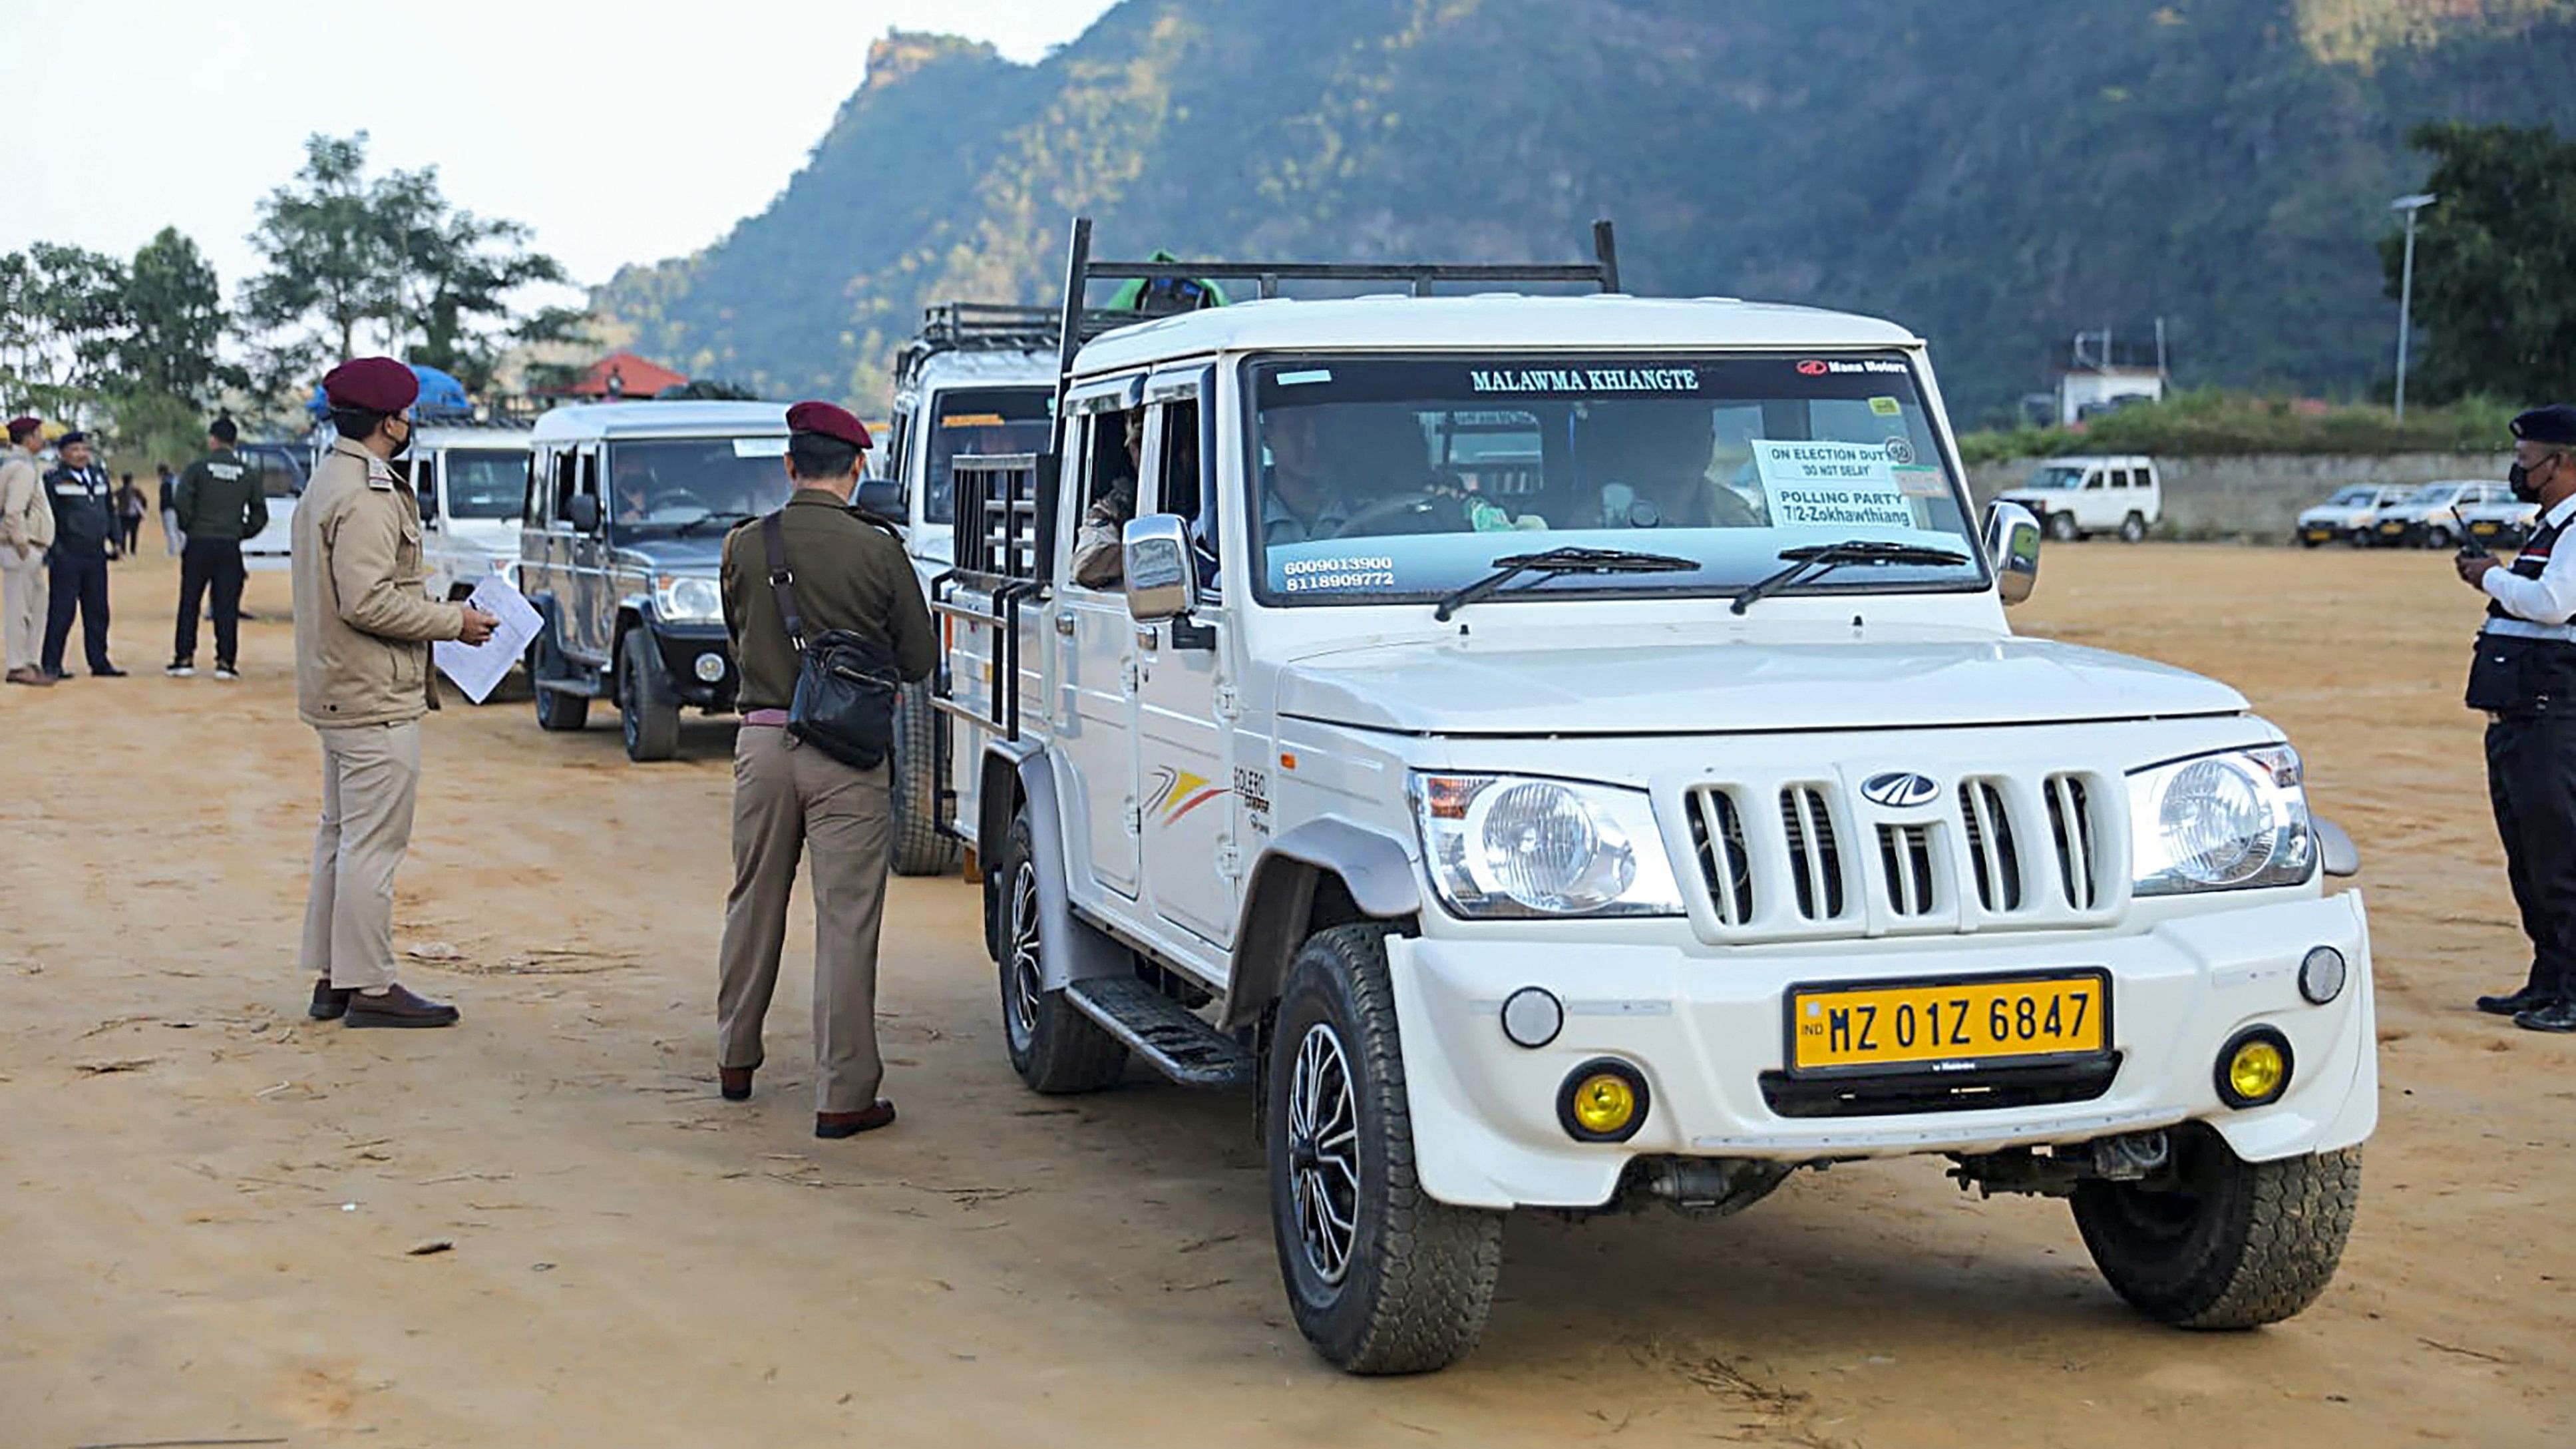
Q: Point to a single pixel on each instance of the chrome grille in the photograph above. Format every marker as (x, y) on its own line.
(1993, 859)
(1905, 859)
(2071, 825)
(1725, 861)
(1815, 858)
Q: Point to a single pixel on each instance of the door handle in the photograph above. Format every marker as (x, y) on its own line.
(1064, 625)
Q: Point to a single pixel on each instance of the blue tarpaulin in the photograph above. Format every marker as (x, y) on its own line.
(440, 396)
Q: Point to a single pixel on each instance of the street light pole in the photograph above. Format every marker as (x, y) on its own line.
(2406, 289)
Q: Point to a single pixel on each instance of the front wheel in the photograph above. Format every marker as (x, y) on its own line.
(2439, 537)
(2222, 1243)
(1381, 1278)
(2133, 529)
(556, 710)
(646, 710)
(2061, 527)
(1052, 1045)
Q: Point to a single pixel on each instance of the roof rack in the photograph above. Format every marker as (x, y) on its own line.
(1082, 269)
(959, 326)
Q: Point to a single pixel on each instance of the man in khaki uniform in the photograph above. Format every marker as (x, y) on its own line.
(26, 531)
(363, 625)
(847, 573)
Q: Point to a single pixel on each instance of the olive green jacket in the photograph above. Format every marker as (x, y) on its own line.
(850, 574)
(218, 498)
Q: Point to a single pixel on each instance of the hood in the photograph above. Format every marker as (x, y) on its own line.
(1461, 687)
(489, 532)
(2336, 513)
(698, 553)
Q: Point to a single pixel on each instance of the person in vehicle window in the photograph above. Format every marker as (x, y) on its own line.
(1301, 501)
(1099, 550)
(634, 484)
(1655, 461)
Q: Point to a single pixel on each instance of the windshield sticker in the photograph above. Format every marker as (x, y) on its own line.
(1920, 482)
(972, 420)
(1312, 374)
(1830, 485)
(760, 447)
(1900, 452)
(1887, 407)
(1321, 575)
(1584, 379)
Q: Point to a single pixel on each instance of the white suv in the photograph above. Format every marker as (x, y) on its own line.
(2078, 497)
(1648, 815)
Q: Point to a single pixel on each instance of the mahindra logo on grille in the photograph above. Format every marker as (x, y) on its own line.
(1898, 790)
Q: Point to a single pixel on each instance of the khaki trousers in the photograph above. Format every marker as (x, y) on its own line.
(370, 781)
(22, 607)
(786, 797)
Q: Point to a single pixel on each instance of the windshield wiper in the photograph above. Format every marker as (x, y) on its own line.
(1814, 559)
(1560, 561)
(730, 518)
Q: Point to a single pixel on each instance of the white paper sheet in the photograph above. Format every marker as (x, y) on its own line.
(1831, 485)
(478, 669)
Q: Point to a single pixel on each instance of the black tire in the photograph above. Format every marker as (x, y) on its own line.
(1054, 1047)
(1415, 1276)
(556, 710)
(2437, 536)
(2307, 542)
(646, 710)
(2133, 529)
(2241, 1244)
(920, 846)
(2062, 529)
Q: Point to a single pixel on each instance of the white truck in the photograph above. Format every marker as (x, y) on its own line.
(2077, 497)
(1648, 820)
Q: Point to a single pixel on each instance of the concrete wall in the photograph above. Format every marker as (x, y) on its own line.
(2258, 496)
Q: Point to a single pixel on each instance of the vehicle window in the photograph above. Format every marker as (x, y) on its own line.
(2093, 480)
(485, 483)
(278, 475)
(983, 422)
(2054, 478)
(2431, 495)
(2351, 497)
(1374, 479)
(2121, 478)
(1177, 484)
(667, 485)
(567, 482)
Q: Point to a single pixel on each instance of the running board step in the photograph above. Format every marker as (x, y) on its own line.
(1163, 1032)
(586, 688)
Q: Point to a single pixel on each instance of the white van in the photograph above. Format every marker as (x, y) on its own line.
(2081, 496)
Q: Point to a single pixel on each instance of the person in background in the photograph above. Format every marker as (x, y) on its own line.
(26, 532)
(169, 508)
(220, 505)
(363, 625)
(84, 543)
(842, 571)
(130, 508)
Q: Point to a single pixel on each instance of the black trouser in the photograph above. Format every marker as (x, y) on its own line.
(79, 583)
(133, 530)
(2531, 780)
(216, 561)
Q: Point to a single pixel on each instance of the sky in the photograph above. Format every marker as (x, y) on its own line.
(183, 113)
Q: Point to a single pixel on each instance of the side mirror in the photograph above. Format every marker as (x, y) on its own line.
(2012, 542)
(582, 512)
(1161, 583)
(882, 497)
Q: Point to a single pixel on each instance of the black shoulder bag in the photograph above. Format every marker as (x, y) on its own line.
(845, 682)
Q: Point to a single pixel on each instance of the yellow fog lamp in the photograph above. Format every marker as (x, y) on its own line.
(2254, 1068)
(1602, 1101)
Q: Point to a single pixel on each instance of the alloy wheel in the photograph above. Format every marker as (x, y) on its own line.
(1324, 1153)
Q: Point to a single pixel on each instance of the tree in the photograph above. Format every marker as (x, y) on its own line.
(2493, 258)
(62, 317)
(175, 321)
(344, 250)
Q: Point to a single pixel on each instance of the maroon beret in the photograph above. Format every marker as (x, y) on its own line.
(831, 420)
(371, 384)
(21, 427)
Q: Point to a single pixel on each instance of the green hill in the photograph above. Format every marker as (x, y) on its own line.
(1994, 173)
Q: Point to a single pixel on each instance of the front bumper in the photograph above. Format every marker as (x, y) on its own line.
(681, 647)
(1705, 1027)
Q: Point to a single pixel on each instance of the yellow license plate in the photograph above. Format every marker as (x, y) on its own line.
(1948, 1025)
(2320, 534)
(2485, 530)
(2392, 528)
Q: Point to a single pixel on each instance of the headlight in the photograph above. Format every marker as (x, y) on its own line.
(684, 600)
(1499, 846)
(2221, 822)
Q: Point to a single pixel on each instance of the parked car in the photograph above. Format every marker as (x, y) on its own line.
(2078, 497)
(283, 469)
(2429, 518)
(2502, 523)
(2348, 516)
(1532, 852)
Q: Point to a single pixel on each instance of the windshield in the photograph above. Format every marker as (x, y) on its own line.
(662, 484)
(1382, 479)
(2434, 494)
(981, 422)
(2052, 478)
(484, 484)
(2353, 497)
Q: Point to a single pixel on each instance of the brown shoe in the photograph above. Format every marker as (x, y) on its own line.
(851, 1124)
(31, 675)
(398, 1007)
(330, 1002)
(735, 1082)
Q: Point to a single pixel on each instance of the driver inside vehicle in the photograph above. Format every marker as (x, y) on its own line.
(634, 487)
(1654, 468)
(1301, 500)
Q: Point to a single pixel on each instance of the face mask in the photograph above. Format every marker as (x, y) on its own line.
(402, 447)
(2524, 490)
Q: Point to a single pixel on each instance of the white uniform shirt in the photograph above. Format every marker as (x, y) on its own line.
(2541, 608)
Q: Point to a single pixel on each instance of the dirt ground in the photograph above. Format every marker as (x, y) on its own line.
(215, 1210)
